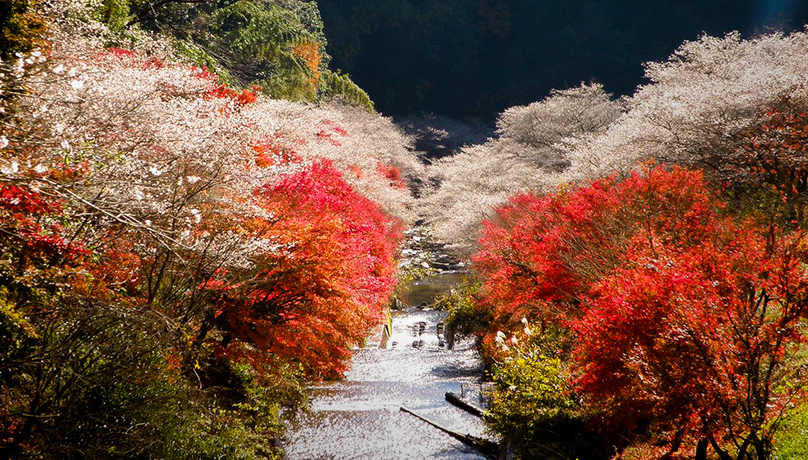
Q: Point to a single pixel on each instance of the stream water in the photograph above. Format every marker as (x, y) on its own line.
(360, 418)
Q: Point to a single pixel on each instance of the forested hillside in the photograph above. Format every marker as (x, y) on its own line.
(200, 216)
(473, 59)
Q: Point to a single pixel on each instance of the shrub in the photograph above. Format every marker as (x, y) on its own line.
(792, 441)
(21, 28)
(534, 407)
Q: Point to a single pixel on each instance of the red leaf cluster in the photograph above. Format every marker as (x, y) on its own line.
(324, 281)
(392, 174)
(242, 98)
(679, 314)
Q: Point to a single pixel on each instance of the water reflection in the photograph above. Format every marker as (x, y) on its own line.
(359, 418)
(427, 289)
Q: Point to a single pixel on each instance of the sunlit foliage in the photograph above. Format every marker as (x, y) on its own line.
(22, 29)
(528, 154)
(180, 256)
(534, 408)
(681, 319)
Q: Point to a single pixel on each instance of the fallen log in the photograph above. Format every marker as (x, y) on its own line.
(466, 406)
(485, 446)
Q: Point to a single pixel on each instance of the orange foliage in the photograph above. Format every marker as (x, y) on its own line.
(357, 171)
(310, 53)
(270, 152)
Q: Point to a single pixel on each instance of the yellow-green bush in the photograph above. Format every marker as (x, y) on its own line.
(534, 408)
(792, 441)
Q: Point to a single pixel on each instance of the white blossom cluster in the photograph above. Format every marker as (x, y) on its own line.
(153, 153)
(695, 111)
(699, 103)
(163, 151)
(530, 153)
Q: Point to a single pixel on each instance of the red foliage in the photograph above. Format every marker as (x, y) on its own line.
(322, 283)
(392, 174)
(21, 200)
(540, 255)
(153, 63)
(322, 134)
(682, 316)
(30, 230)
(775, 152)
(245, 97)
(66, 173)
(114, 273)
(330, 125)
(40, 244)
(120, 52)
(696, 335)
(328, 130)
(204, 74)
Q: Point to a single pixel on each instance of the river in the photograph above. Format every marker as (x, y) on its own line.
(359, 418)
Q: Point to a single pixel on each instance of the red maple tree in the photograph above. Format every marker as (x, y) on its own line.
(680, 316)
(323, 280)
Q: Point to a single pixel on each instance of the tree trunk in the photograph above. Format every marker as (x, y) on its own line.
(762, 448)
(724, 455)
(701, 449)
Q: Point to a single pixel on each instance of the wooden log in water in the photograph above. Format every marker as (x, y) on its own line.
(466, 406)
(488, 448)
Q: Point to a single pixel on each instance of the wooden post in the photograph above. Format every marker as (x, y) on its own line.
(387, 330)
(450, 336)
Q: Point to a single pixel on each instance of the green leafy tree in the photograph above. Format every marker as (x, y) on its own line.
(21, 28)
(278, 45)
(466, 314)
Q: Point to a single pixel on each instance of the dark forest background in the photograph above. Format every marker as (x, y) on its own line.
(471, 59)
